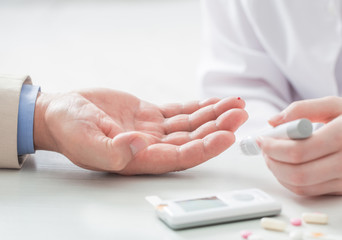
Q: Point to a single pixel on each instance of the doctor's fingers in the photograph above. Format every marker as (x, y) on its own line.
(325, 141)
(228, 121)
(317, 110)
(161, 158)
(189, 122)
(307, 174)
(332, 187)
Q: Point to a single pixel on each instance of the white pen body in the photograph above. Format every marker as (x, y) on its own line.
(298, 129)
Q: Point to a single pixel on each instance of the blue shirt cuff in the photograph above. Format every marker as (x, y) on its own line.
(27, 103)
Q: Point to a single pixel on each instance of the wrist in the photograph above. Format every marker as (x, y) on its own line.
(41, 135)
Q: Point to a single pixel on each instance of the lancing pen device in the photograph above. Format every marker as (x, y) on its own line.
(297, 129)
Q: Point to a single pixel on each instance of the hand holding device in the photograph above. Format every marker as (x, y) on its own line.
(310, 167)
(298, 129)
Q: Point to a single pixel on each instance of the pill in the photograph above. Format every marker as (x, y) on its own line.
(317, 218)
(245, 234)
(255, 237)
(296, 235)
(296, 222)
(273, 224)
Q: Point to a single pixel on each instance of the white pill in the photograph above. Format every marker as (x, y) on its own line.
(296, 235)
(317, 218)
(273, 224)
(255, 237)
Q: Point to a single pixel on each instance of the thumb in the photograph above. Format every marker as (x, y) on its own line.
(127, 145)
(316, 110)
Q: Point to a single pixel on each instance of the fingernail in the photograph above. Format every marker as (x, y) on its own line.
(259, 140)
(204, 102)
(277, 118)
(137, 145)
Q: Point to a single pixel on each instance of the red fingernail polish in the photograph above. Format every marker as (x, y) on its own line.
(238, 98)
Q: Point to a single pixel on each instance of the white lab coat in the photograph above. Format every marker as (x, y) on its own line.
(271, 52)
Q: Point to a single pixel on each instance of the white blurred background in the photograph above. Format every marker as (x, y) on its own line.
(150, 48)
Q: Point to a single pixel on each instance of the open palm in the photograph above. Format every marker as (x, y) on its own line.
(108, 130)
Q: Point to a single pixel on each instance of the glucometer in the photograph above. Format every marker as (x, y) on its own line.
(298, 129)
(215, 208)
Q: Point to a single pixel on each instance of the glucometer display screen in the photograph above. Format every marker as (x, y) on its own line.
(201, 204)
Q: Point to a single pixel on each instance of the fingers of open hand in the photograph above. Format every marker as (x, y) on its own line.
(161, 158)
(170, 110)
(209, 112)
(200, 150)
(317, 110)
(228, 121)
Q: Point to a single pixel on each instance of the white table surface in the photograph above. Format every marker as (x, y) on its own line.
(148, 48)
(52, 199)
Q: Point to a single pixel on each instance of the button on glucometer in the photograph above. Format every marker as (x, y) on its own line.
(243, 197)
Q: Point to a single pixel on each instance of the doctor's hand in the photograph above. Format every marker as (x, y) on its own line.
(108, 130)
(312, 166)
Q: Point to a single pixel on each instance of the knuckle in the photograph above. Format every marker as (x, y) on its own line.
(301, 191)
(178, 166)
(213, 99)
(332, 98)
(337, 137)
(295, 106)
(296, 155)
(299, 177)
(268, 162)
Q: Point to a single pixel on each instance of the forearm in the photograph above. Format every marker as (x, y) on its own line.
(10, 93)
